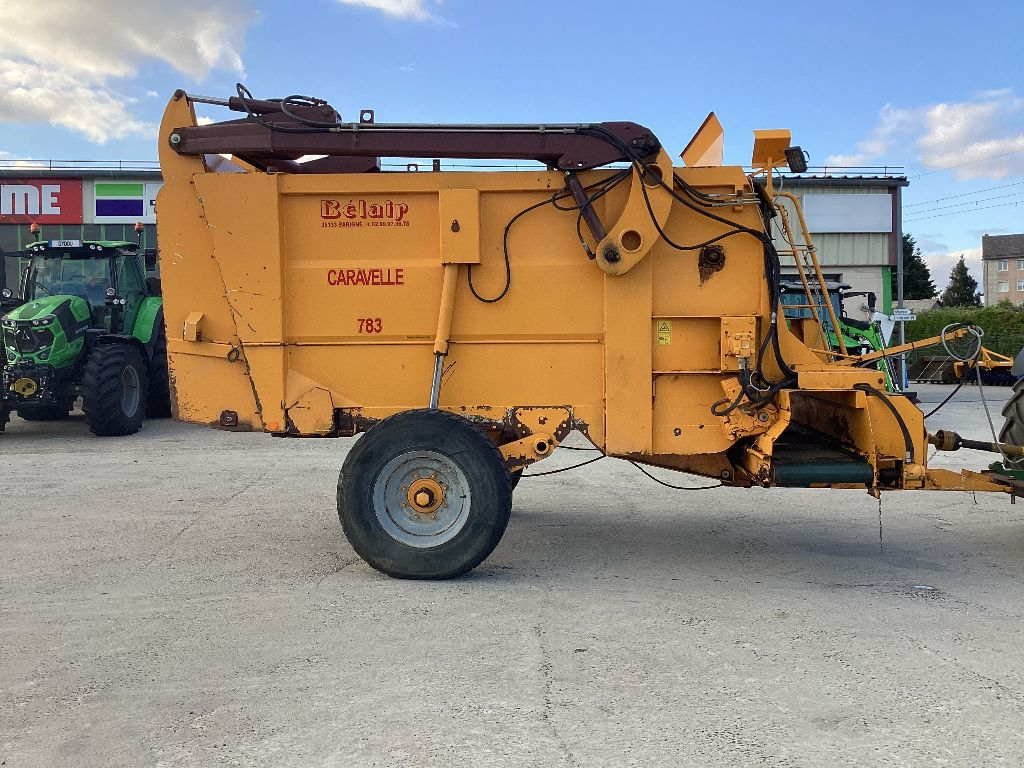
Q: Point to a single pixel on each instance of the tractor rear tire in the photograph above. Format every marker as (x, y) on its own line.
(446, 528)
(1013, 428)
(158, 406)
(114, 388)
(55, 412)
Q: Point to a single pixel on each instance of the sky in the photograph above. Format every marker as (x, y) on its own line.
(935, 89)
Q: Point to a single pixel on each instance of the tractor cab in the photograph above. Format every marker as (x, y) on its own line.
(859, 337)
(107, 275)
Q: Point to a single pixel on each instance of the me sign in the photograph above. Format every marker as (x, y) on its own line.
(40, 201)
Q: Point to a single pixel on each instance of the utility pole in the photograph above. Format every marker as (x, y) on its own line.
(899, 282)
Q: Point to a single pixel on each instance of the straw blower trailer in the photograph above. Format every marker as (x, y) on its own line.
(467, 321)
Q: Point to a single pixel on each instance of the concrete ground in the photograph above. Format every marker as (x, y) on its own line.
(185, 597)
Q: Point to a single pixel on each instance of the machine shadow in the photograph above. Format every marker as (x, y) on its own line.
(567, 546)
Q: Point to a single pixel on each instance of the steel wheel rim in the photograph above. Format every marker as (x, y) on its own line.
(400, 520)
(129, 390)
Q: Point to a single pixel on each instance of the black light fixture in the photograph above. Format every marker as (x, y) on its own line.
(796, 158)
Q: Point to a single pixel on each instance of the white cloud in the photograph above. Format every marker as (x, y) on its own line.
(31, 93)
(401, 9)
(981, 138)
(7, 160)
(892, 124)
(62, 68)
(928, 245)
(941, 264)
(849, 161)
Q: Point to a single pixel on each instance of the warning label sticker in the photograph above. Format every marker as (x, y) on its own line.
(664, 332)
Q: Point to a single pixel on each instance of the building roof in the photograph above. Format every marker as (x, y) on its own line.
(832, 180)
(921, 305)
(1002, 246)
(80, 169)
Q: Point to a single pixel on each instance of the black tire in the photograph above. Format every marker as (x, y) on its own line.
(54, 412)
(427, 444)
(514, 478)
(158, 404)
(5, 416)
(1013, 428)
(111, 371)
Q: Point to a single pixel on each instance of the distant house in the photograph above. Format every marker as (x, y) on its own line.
(1002, 258)
(921, 305)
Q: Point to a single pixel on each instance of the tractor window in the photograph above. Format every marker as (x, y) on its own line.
(64, 274)
(131, 285)
(794, 304)
(129, 279)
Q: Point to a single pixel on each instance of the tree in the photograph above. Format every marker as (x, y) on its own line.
(917, 278)
(962, 290)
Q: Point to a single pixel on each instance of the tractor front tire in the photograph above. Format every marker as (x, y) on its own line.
(114, 388)
(158, 406)
(424, 494)
(54, 412)
(5, 415)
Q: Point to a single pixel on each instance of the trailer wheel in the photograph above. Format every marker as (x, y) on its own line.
(1013, 428)
(424, 495)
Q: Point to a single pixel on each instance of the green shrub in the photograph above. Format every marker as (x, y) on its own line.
(1002, 323)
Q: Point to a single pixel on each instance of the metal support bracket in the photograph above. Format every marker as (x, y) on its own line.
(636, 231)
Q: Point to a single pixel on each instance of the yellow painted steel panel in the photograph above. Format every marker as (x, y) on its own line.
(316, 301)
(459, 213)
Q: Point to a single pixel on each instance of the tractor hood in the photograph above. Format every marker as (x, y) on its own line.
(49, 331)
(48, 308)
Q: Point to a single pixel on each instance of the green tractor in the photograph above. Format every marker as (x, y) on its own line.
(859, 336)
(90, 325)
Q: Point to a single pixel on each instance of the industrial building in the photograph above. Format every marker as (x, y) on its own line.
(76, 201)
(856, 226)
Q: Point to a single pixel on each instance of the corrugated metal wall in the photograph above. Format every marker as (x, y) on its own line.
(853, 249)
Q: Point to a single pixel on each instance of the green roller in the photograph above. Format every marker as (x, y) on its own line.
(807, 475)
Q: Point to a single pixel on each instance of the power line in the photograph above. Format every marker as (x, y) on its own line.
(965, 194)
(957, 213)
(966, 203)
(969, 162)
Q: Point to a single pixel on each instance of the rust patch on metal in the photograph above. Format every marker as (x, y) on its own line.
(348, 422)
(241, 426)
(172, 387)
(711, 260)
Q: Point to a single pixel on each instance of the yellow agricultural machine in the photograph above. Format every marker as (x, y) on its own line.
(468, 321)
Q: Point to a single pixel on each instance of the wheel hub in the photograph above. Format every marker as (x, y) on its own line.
(426, 495)
(421, 498)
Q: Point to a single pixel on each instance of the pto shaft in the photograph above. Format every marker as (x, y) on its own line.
(945, 440)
